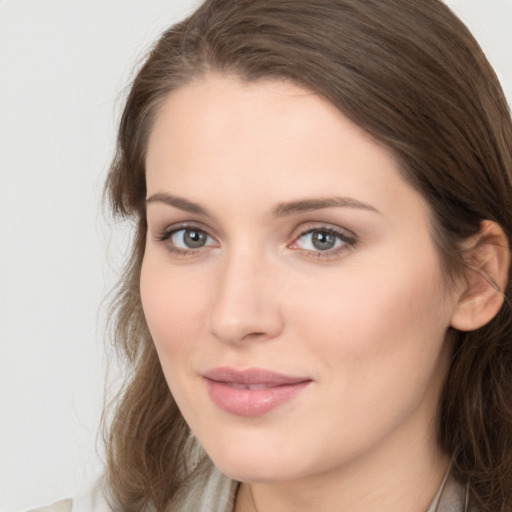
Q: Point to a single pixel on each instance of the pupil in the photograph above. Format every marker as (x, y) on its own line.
(323, 240)
(194, 239)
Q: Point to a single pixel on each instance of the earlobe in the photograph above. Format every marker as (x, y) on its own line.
(487, 258)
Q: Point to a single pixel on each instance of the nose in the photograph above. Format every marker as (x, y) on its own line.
(245, 305)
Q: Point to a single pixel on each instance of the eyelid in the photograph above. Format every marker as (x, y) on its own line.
(348, 238)
(164, 236)
(160, 233)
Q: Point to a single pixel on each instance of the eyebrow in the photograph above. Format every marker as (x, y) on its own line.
(308, 205)
(281, 210)
(178, 202)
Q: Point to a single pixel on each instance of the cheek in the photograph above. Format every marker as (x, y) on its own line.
(172, 307)
(174, 313)
(380, 325)
(379, 339)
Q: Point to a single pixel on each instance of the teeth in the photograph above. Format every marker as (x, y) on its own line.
(237, 386)
(247, 386)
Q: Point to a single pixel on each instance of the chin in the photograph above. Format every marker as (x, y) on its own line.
(256, 470)
(260, 459)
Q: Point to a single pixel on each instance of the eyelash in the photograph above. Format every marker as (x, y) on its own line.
(166, 236)
(347, 241)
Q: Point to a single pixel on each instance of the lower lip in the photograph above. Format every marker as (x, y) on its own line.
(250, 403)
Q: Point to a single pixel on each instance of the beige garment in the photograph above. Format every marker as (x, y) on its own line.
(451, 497)
(91, 501)
(214, 492)
(60, 506)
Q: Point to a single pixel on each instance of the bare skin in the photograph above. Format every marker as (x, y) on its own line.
(282, 237)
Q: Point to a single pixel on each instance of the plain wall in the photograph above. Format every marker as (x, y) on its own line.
(64, 65)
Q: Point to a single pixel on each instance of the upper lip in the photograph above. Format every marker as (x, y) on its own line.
(252, 376)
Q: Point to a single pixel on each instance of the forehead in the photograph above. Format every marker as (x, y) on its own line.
(208, 109)
(217, 108)
(232, 139)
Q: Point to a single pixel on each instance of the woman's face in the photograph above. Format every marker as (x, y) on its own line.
(290, 283)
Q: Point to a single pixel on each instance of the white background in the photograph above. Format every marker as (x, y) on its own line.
(64, 65)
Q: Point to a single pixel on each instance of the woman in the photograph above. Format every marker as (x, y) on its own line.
(316, 314)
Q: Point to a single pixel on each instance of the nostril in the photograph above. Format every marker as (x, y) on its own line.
(243, 308)
(248, 329)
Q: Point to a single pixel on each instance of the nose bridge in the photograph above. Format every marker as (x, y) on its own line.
(244, 305)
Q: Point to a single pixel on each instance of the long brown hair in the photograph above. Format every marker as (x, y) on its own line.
(408, 72)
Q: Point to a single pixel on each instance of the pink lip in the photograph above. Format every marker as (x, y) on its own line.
(252, 392)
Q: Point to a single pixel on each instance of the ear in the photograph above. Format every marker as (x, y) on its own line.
(487, 258)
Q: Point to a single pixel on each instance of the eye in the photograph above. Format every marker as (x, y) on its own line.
(190, 238)
(323, 240)
(186, 240)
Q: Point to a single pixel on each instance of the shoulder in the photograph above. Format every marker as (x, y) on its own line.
(60, 506)
(93, 500)
(208, 490)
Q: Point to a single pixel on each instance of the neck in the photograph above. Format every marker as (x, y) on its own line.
(379, 482)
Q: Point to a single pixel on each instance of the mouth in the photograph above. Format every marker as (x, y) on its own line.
(252, 392)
